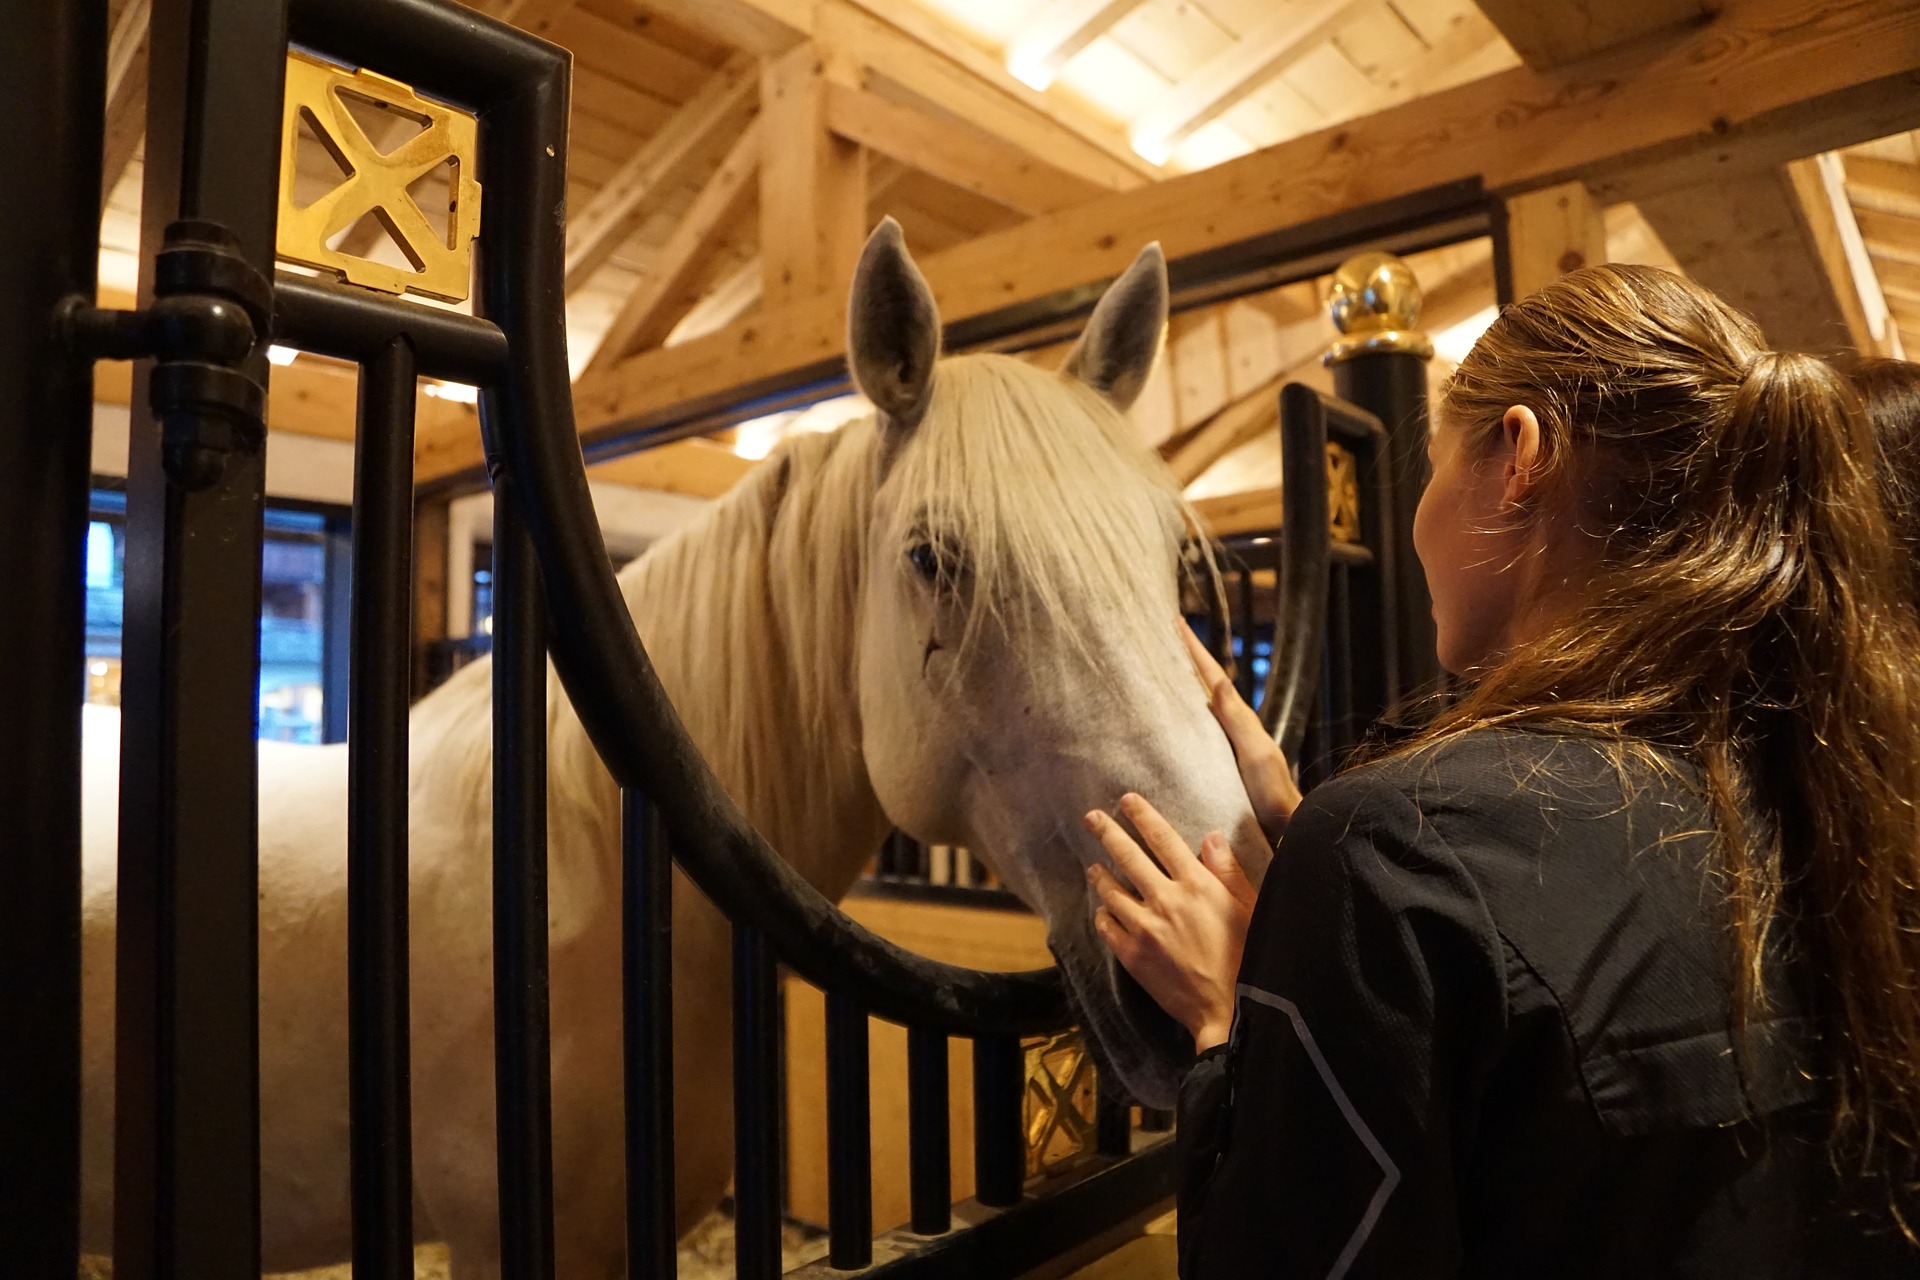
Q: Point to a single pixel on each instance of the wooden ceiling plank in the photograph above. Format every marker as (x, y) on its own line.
(1888, 185)
(126, 94)
(650, 313)
(1553, 231)
(659, 168)
(1767, 81)
(1547, 35)
(1239, 69)
(954, 151)
(1889, 235)
(1061, 29)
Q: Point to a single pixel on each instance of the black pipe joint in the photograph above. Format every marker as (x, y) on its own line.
(209, 312)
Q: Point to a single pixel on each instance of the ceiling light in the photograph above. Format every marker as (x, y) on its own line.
(280, 355)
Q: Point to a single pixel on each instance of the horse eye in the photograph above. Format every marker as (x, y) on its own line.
(925, 560)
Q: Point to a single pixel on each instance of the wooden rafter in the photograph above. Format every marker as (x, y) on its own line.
(660, 167)
(1260, 54)
(954, 151)
(1763, 83)
(1060, 30)
(650, 313)
(1839, 253)
(1552, 34)
(813, 183)
(698, 468)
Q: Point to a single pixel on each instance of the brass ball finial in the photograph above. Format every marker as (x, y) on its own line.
(1375, 303)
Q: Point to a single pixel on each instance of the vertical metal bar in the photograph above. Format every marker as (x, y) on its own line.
(1243, 674)
(756, 1108)
(849, 1136)
(647, 969)
(336, 639)
(186, 1099)
(52, 82)
(377, 1049)
(1112, 1121)
(999, 1142)
(520, 1032)
(929, 1143)
(1392, 386)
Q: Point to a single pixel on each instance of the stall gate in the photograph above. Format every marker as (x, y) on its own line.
(186, 1165)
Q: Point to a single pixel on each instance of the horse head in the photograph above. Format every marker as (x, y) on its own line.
(1018, 662)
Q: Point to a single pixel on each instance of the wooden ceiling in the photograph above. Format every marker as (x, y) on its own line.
(727, 157)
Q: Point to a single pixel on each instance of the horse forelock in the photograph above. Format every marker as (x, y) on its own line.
(1060, 510)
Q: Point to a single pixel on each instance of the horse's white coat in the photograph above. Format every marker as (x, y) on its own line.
(821, 675)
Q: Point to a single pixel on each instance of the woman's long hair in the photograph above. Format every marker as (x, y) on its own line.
(1749, 613)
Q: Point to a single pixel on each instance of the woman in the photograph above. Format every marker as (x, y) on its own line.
(1613, 969)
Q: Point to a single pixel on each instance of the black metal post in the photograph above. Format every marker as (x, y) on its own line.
(1392, 386)
(522, 1084)
(849, 1135)
(756, 1107)
(377, 1024)
(1112, 1122)
(999, 1143)
(186, 1104)
(929, 1143)
(52, 77)
(647, 968)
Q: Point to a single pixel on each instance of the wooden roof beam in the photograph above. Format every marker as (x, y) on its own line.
(954, 151)
(1553, 231)
(1748, 239)
(1547, 35)
(813, 182)
(1260, 54)
(1060, 30)
(1833, 238)
(1764, 83)
(660, 167)
(650, 313)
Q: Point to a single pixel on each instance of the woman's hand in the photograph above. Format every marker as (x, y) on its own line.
(1264, 771)
(1180, 931)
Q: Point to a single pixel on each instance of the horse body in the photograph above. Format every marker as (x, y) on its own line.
(822, 669)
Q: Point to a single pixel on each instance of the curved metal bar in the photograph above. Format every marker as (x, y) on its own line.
(527, 420)
(1306, 552)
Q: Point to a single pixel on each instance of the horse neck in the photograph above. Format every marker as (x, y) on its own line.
(750, 618)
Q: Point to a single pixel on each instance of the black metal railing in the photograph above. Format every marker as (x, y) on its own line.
(186, 1175)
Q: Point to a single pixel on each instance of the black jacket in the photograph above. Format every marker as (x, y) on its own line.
(1483, 1030)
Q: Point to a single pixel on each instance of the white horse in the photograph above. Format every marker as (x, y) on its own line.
(956, 617)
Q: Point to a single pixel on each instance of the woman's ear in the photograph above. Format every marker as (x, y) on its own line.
(1523, 460)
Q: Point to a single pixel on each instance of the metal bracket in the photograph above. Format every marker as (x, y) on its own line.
(209, 312)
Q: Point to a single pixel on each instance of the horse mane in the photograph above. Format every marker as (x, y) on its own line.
(750, 612)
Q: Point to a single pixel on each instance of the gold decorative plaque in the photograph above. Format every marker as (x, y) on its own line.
(377, 183)
(1059, 1106)
(1343, 495)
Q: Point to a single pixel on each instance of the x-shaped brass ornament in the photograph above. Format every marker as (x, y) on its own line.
(377, 183)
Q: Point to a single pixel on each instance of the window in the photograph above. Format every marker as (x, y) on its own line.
(302, 616)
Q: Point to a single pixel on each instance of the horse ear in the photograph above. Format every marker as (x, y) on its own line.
(893, 329)
(1116, 352)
